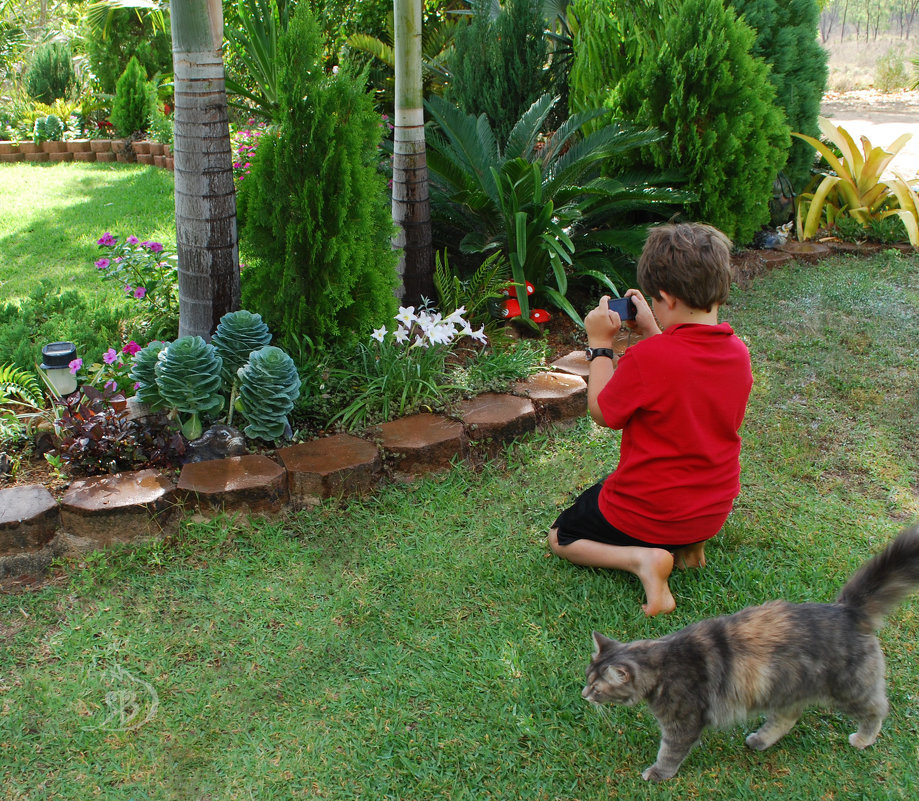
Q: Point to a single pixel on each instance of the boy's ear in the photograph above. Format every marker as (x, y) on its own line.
(669, 300)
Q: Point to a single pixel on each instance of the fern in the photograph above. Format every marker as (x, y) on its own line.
(474, 292)
(19, 385)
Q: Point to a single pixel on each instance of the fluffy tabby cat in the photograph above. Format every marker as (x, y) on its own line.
(775, 658)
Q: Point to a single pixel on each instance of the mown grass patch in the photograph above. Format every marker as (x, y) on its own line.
(422, 643)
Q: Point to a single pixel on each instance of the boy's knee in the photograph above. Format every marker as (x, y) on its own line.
(553, 543)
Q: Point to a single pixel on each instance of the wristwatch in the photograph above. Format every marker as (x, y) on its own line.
(592, 353)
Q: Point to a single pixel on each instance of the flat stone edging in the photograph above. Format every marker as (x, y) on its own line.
(133, 507)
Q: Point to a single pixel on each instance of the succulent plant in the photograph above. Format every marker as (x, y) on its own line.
(268, 386)
(188, 379)
(143, 374)
(238, 334)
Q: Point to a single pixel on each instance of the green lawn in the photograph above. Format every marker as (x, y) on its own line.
(52, 214)
(422, 644)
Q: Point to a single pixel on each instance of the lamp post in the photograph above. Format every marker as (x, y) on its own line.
(56, 359)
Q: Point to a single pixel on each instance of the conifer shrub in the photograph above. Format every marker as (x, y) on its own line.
(716, 103)
(498, 65)
(786, 39)
(134, 100)
(314, 212)
(126, 34)
(50, 75)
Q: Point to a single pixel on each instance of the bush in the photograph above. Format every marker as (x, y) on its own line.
(890, 72)
(50, 75)
(134, 100)
(498, 66)
(126, 35)
(786, 39)
(48, 315)
(314, 212)
(714, 99)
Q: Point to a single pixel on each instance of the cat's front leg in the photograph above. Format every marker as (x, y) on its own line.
(674, 748)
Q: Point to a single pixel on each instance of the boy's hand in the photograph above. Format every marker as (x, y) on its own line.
(644, 323)
(602, 325)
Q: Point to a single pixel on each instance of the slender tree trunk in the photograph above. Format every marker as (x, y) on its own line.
(411, 210)
(205, 197)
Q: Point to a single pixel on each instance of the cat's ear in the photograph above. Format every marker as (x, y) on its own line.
(617, 674)
(602, 643)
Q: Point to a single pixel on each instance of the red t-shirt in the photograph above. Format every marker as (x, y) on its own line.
(679, 398)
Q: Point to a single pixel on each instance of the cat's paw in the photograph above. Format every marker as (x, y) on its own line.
(860, 741)
(756, 742)
(656, 774)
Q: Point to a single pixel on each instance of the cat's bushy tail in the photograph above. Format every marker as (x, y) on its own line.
(879, 585)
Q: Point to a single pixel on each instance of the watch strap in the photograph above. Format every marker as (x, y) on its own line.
(592, 353)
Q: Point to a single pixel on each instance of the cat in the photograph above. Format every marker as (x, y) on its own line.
(775, 658)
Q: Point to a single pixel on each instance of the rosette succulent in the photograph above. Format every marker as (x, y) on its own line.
(143, 374)
(189, 381)
(268, 386)
(238, 334)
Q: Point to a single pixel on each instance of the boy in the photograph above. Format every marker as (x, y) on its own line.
(679, 396)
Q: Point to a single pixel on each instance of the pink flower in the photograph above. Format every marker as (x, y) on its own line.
(75, 366)
(131, 348)
(110, 355)
(107, 240)
(155, 247)
(110, 384)
(132, 240)
(139, 292)
(128, 289)
(101, 264)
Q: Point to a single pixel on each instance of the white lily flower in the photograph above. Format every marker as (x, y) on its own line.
(456, 317)
(479, 335)
(406, 315)
(400, 334)
(379, 334)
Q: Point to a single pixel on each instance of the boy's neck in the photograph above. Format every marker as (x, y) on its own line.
(674, 311)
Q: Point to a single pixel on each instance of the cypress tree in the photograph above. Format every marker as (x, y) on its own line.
(498, 65)
(786, 39)
(715, 100)
(314, 211)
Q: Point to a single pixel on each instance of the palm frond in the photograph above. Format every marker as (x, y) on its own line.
(524, 134)
(19, 384)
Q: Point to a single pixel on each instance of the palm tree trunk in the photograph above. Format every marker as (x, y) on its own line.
(411, 209)
(205, 198)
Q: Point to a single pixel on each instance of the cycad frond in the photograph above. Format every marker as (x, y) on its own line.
(19, 384)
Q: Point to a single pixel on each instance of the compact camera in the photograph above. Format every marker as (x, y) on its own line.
(624, 307)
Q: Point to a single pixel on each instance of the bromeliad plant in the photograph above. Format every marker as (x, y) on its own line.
(855, 187)
(543, 202)
(195, 381)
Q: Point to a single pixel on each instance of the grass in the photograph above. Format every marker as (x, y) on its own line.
(52, 215)
(422, 643)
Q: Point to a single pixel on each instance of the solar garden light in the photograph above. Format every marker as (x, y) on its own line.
(56, 359)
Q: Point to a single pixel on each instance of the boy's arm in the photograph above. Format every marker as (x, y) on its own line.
(601, 326)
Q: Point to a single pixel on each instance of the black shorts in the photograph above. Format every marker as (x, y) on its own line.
(583, 520)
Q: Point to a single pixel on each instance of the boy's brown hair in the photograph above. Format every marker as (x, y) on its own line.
(691, 261)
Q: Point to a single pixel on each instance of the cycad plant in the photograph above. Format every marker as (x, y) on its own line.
(543, 201)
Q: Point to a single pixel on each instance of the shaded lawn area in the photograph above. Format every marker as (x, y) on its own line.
(422, 644)
(52, 214)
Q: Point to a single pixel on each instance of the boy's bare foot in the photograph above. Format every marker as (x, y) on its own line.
(656, 567)
(690, 556)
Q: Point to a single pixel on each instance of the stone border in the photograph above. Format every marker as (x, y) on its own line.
(89, 150)
(133, 507)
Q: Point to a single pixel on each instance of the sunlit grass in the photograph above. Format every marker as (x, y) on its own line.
(52, 214)
(423, 644)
